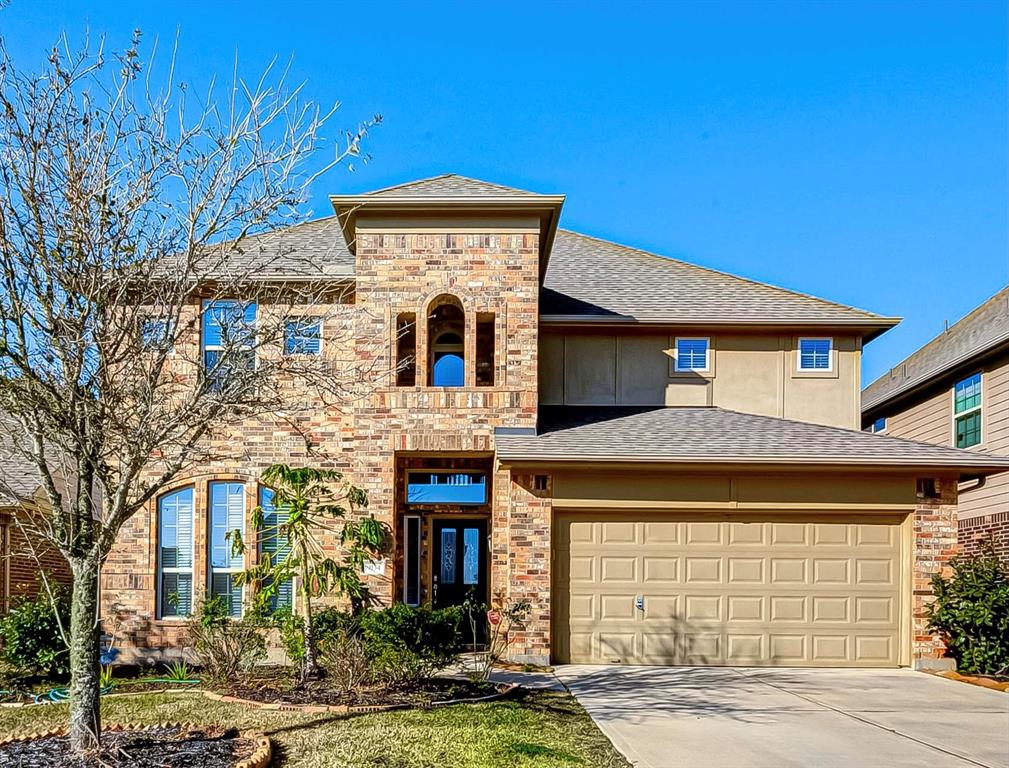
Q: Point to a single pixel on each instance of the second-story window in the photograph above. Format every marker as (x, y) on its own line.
(303, 336)
(155, 334)
(692, 355)
(227, 514)
(406, 349)
(967, 411)
(879, 425)
(815, 355)
(485, 349)
(229, 332)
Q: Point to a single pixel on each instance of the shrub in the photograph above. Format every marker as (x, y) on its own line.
(344, 659)
(227, 648)
(971, 613)
(31, 636)
(326, 622)
(406, 644)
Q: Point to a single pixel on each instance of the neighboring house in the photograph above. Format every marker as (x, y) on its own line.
(664, 460)
(955, 391)
(23, 557)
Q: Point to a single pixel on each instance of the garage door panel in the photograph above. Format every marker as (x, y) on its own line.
(727, 591)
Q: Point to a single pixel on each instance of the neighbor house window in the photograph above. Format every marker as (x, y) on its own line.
(815, 354)
(411, 560)
(303, 336)
(229, 329)
(446, 334)
(175, 554)
(274, 542)
(446, 487)
(227, 515)
(692, 355)
(967, 411)
(406, 349)
(879, 425)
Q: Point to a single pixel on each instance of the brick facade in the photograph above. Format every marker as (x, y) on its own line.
(367, 436)
(935, 544)
(977, 534)
(19, 568)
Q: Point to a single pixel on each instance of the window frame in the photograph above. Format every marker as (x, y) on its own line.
(978, 409)
(160, 569)
(205, 348)
(872, 427)
(169, 333)
(314, 320)
(211, 569)
(261, 492)
(409, 557)
(438, 470)
(707, 354)
(799, 368)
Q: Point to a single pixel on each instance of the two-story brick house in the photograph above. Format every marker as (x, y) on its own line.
(955, 391)
(664, 460)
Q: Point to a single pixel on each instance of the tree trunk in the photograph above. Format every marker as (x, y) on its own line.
(85, 707)
(310, 668)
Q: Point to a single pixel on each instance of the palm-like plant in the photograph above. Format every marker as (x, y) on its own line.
(314, 500)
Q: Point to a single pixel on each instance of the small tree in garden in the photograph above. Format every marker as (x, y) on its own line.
(501, 616)
(971, 612)
(311, 503)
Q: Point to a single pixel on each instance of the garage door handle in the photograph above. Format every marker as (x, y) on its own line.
(639, 602)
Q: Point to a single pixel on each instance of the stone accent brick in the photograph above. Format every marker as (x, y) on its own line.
(935, 544)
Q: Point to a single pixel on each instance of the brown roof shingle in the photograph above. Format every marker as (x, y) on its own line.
(599, 280)
(450, 185)
(714, 435)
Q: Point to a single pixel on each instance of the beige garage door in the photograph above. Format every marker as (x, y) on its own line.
(655, 589)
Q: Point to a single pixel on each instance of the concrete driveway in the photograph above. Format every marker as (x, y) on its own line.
(661, 717)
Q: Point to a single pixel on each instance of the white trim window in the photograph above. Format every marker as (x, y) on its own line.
(303, 336)
(967, 394)
(815, 354)
(693, 354)
(227, 514)
(175, 554)
(228, 339)
(275, 542)
(411, 559)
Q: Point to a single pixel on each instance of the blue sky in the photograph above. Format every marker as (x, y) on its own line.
(855, 151)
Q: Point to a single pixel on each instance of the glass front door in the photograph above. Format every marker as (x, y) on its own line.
(460, 563)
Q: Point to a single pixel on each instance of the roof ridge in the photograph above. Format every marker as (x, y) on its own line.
(722, 273)
(403, 184)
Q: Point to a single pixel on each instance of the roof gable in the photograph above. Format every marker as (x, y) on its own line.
(984, 329)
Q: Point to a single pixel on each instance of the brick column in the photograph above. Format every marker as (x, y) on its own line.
(529, 569)
(935, 543)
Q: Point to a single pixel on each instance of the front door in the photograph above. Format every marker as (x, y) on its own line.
(460, 563)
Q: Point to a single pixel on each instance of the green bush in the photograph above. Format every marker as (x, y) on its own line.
(31, 636)
(228, 648)
(407, 644)
(971, 613)
(325, 622)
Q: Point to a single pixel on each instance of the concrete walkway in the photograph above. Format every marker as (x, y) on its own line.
(707, 717)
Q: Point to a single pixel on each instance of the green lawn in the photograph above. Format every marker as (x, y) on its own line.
(538, 730)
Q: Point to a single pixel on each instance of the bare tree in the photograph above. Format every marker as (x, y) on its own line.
(132, 220)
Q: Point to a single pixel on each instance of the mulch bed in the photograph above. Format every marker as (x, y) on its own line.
(156, 747)
(275, 691)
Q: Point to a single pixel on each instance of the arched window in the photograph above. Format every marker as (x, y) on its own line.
(446, 336)
(175, 553)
